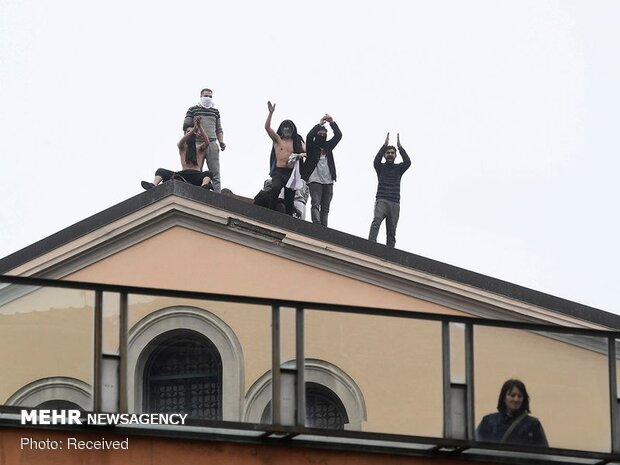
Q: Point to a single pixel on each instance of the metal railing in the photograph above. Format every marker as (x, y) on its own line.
(308, 314)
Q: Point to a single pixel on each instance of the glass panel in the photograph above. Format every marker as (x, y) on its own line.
(46, 342)
(457, 353)
(288, 352)
(385, 373)
(111, 313)
(566, 378)
(211, 360)
(618, 367)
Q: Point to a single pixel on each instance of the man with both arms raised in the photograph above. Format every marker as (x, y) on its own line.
(387, 205)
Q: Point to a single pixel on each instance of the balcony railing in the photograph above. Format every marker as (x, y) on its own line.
(313, 374)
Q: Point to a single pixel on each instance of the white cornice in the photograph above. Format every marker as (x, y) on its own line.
(178, 211)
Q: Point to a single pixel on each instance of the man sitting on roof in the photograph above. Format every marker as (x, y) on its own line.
(192, 156)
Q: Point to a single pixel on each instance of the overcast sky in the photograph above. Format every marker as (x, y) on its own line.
(509, 110)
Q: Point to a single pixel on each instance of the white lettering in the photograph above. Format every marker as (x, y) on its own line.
(46, 444)
(74, 417)
(74, 443)
(29, 417)
(44, 417)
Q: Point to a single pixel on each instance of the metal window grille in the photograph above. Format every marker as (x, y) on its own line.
(183, 374)
(323, 409)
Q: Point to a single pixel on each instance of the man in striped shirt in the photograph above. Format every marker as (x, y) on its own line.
(212, 127)
(387, 205)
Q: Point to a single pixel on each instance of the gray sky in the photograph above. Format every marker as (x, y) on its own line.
(509, 110)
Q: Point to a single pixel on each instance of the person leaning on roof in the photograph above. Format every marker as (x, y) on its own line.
(387, 204)
(212, 127)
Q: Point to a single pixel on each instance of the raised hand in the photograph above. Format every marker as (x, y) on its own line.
(328, 118)
(387, 139)
(398, 139)
(271, 107)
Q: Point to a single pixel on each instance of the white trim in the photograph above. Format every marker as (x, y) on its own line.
(53, 388)
(319, 372)
(192, 319)
(178, 211)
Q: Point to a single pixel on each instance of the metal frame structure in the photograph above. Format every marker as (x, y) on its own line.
(299, 434)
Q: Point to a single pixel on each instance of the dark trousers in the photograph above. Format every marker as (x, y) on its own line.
(321, 195)
(194, 177)
(390, 211)
(279, 178)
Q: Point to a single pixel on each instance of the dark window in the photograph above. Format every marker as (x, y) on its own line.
(183, 374)
(324, 409)
(58, 405)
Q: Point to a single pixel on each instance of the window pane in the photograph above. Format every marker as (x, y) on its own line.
(46, 342)
(566, 378)
(386, 371)
(205, 357)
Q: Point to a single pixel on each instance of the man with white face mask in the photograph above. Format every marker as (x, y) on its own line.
(212, 126)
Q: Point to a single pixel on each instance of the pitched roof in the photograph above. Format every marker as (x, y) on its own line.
(239, 207)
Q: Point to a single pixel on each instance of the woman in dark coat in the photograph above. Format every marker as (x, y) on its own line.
(512, 423)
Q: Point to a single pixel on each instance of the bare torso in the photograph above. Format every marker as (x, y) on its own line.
(201, 151)
(283, 149)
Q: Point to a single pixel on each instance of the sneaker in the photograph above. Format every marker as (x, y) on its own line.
(147, 185)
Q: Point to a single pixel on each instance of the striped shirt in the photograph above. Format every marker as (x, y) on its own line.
(210, 121)
(389, 175)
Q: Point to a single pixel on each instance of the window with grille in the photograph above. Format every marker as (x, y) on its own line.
(183, 374)
(58, 404)
(323, 409)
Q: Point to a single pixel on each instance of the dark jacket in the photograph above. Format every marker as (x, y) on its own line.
(529, 431)
(313, 151)
(389, 175)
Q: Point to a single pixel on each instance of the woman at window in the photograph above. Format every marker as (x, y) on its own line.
(512, 423)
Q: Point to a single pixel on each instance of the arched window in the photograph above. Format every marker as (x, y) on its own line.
(323, 409)
(58, 405)
(56, 392)
(155, 332)
(333, 398)
(183, 374)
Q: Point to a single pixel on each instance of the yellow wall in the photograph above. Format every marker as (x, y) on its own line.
(31, 329)
(184, 259)
(396, 362)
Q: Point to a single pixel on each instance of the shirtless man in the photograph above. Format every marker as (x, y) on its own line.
(286, 141)
(193, 159)
(192, 154)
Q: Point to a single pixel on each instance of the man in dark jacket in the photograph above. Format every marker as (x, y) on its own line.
(387, 205)
(319, 169)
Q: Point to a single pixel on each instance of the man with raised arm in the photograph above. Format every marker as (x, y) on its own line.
(286, 142)
(319, 170)
(192, 154)
(212, 127)
(387, 204)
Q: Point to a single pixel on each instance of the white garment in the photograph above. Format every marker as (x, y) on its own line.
(294, 181)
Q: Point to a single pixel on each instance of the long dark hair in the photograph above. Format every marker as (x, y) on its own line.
(506, 388)
(190, 150)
